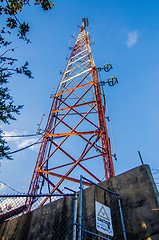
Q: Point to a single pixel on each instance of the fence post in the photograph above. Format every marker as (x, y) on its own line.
(122, 219)
(80, 208)
(75, 216)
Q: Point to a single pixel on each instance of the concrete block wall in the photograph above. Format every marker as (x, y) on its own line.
(53, 221)
(140, 204)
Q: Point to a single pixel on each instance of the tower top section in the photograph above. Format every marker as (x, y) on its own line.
(85, 22)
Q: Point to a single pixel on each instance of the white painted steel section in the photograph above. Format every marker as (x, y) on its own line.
(88, 55)
(77, 75)
(77, 66)
(77, 59)
(78, 54)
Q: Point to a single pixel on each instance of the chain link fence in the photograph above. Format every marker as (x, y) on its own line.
(100, 214)
(96, 214)
(52, 221)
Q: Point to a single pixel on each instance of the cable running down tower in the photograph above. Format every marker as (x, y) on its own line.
(75, 140)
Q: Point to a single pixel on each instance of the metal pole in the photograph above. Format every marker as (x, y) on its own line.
(122, 219)
(75, 217)
(80, 209)
(74, 212)
(100, 186)
(140, 157)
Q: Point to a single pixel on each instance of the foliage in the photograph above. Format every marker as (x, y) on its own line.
(9, 10)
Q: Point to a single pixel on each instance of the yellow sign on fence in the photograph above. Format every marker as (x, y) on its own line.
(103, 219)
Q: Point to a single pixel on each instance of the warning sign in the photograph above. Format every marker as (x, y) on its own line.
(103, 219)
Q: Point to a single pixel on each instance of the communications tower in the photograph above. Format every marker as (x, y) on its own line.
(75, 140)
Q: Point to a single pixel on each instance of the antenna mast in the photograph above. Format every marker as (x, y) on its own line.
(75, 140)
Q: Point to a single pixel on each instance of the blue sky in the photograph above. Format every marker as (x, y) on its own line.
(126, 35)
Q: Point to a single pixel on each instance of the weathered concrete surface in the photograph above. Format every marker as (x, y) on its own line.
(140, 205)
(53, 221)
(140, 202)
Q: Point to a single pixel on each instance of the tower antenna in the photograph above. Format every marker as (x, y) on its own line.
(75, 140)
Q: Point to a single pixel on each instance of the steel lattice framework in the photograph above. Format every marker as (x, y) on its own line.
(75, 140)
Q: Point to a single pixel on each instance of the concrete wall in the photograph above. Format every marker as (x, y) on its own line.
(140, 204)
(53, 221)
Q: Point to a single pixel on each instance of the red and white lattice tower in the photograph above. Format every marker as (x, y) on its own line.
(75, 140)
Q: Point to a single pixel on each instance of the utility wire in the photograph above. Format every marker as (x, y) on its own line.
(106, 109)
(37, 142)
(110, 128)
(156, 171)
(27, 135)
(11, 187)
(18, 150)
